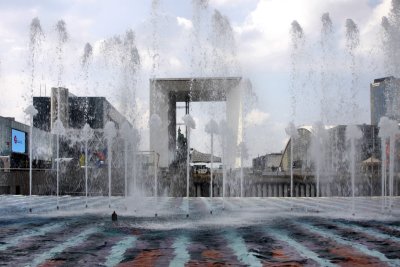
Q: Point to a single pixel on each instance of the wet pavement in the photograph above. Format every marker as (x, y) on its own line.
(251, 232)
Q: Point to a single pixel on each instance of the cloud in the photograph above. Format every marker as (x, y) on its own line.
(256, 117)
(187, 24)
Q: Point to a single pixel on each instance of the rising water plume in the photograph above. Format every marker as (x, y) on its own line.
(352, 43)
(327, 58)
(62, 38)
(297, 49)
(87, 59)
(36, 38)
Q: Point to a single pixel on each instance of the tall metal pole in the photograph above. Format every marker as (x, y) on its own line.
(212, 165)
(155, 176)
(109, 172)
(291, 167)
(391, 168)
(30, 156)
(187, 162)
(383, 170)
(126, 167)
(135, 169)
(241, 172)
(86, 170)
(58, 166)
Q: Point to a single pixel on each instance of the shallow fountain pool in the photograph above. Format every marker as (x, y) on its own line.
(238, 232)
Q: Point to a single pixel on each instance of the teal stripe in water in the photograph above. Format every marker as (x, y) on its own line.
(371, 232)
(302, 250)
(71, 242)
(363, 249)
(237, 244)
(36, 231)
(118, 250)
(181, 254)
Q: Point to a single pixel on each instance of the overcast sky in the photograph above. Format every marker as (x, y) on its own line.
(262, 46)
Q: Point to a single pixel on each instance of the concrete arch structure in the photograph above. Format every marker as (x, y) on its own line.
(165, 93)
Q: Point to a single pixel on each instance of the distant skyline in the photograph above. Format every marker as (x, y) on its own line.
(261, 31)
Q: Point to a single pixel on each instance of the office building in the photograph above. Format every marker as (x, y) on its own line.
(385, 99)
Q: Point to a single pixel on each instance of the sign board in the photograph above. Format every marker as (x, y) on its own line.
(18, 144)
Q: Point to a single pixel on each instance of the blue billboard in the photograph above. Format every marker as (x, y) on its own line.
(18, 141)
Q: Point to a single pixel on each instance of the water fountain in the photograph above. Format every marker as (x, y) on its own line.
(268, 231)
(155, 124)
(30, 111)
(190, 124)
(243, 154)
(126, 133)
(87, 134)
(58, 130)
(211, 128)
(109, 133)
(353, 134)
(291, 131)
(388, 130)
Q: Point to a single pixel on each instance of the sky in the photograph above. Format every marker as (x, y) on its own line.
(182, 36)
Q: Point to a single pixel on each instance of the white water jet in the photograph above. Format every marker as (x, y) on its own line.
(190, 124)
(87, 133)
(388, 129)
(212, 128)
(58, 129)
(353, 133)
(36, 37)
(318, 151)
(291, 131)
(297, 43)
(391, 39)
(327, 57)
(155, 125)
(87, 59)
(224, 131)
(110, 133)
(352, 43)
(243, 154)
(62, 38)
(135, 141)
(31, 111)
(126, 133)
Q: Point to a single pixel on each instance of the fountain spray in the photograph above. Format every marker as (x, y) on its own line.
(155, 125)
(387, 129)
(353, 133)
(190, 124)
(223, 128)
(212, 128)
(110, 133)
(31, 111)
(87, 133)
(126, 133)
(291, 131)
(58, 129)
(243, 155)
(318, 151)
